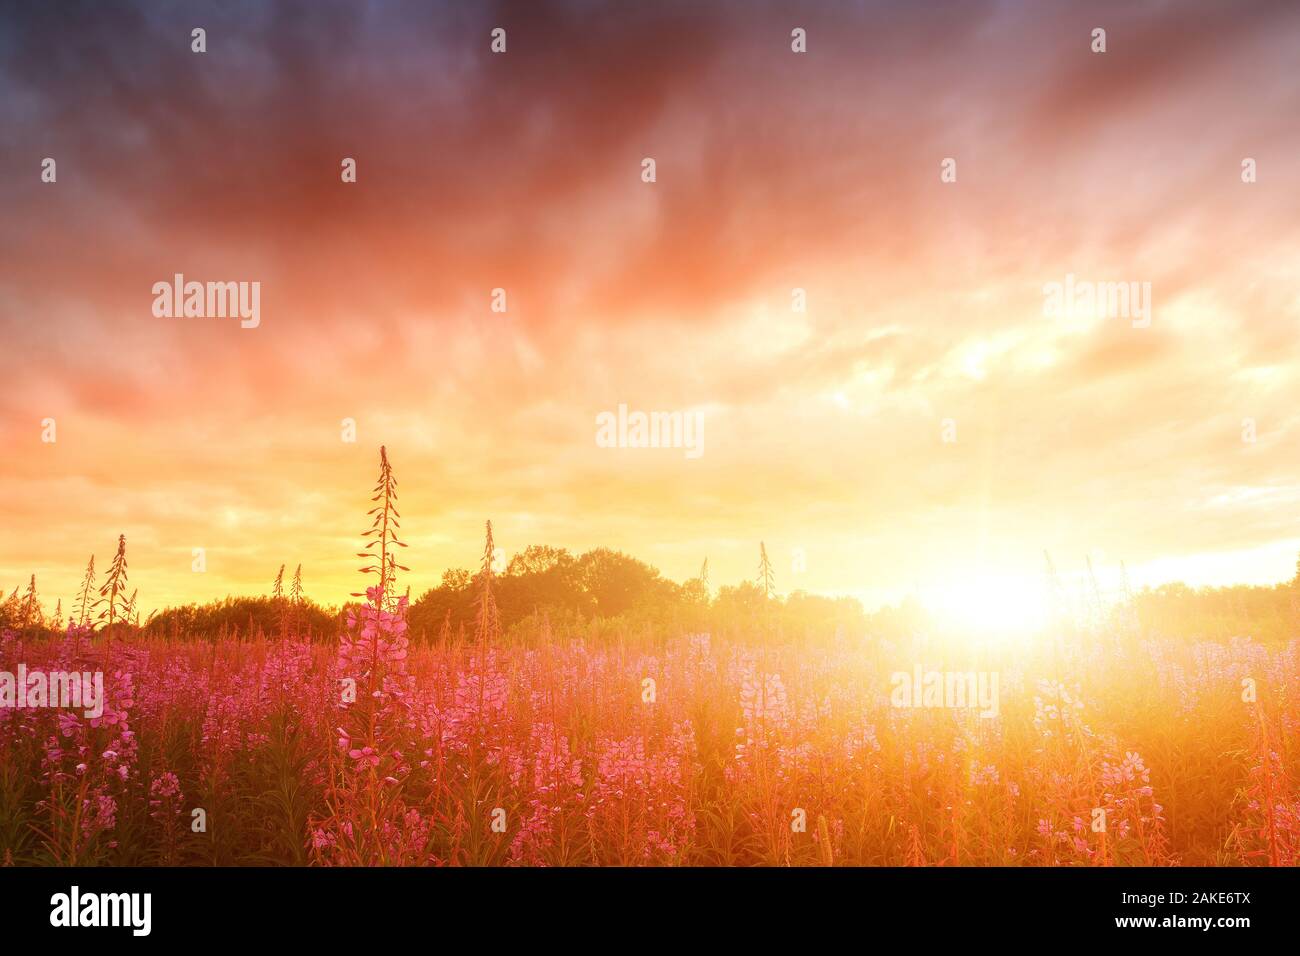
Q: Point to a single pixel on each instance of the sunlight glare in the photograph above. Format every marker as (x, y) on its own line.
(990, 608)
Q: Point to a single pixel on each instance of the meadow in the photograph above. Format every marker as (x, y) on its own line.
(694, 752)
(582, 745)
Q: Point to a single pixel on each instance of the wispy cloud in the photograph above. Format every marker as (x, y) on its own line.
(775, 171)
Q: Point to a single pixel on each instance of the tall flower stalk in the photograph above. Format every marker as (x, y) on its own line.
(766, 579)
(84, 603)
(296, 598)
(369, 766)
(488, 621)
(113, 604)
(384, 526)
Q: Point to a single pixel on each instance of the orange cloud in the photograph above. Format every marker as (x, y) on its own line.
(823, 428)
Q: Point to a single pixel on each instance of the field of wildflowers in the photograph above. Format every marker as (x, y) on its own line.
(567, 748)
(692, 752)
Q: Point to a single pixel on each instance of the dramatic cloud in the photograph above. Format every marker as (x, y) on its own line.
(824, 429)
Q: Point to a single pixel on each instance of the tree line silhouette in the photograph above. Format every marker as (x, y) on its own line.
(545, 589)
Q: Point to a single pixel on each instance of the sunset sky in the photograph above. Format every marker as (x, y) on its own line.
(775, 170)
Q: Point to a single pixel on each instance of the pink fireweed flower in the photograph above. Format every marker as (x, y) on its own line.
(165, 796)
(763, 698)
(364, 757)
(374, 637)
